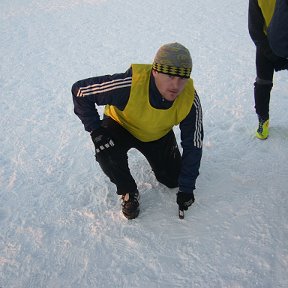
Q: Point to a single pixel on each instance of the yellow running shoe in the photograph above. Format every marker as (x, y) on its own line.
(263, 129)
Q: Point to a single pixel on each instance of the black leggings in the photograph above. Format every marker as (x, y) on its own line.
(163, 156)
(263, 85)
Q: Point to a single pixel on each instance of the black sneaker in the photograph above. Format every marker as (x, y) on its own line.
(130, 205)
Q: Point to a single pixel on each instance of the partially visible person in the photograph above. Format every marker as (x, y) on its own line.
(260, 13)
(143, 105)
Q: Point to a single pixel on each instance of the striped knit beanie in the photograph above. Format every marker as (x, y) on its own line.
(173, 59)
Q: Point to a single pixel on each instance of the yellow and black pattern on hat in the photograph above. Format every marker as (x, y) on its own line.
(173, 59)
(171, 70)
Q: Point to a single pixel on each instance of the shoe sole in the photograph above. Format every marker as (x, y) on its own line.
(259, 136)
(131, 216)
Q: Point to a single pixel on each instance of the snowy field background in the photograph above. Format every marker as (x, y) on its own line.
(60, 218)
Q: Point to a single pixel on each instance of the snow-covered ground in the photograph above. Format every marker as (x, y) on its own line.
(60, 218)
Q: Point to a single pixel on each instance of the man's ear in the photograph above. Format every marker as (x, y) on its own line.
(154, 72)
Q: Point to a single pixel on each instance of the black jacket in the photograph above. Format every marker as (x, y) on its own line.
(256, 30)
(278, 29)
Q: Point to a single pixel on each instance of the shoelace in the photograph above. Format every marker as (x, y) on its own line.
(260, 127)
(130, 198)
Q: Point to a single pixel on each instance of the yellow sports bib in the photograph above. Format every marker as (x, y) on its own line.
(142, 120)
(267, 8)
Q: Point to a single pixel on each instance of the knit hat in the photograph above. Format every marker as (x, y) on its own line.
(173, 59)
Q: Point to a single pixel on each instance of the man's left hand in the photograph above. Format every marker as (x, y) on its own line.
(185, 200)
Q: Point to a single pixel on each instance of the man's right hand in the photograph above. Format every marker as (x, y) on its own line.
(101, 140)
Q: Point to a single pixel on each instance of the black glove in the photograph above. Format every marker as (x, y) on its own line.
(101, 139)
(281, 64)
(184, 200)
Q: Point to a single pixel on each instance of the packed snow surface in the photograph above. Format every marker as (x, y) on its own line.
(60, 218)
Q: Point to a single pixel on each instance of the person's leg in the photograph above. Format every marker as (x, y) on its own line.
(164, 158)
(114, 161)
(262, 91)
(263, 85)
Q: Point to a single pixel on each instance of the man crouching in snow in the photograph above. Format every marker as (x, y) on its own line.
(142, 107)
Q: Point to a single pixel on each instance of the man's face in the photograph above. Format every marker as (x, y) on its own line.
(169, 86)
